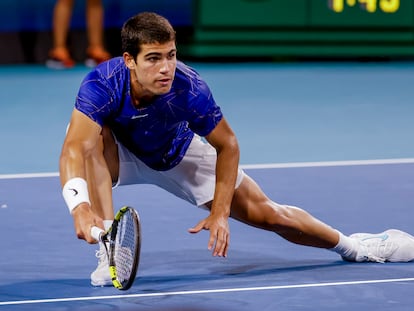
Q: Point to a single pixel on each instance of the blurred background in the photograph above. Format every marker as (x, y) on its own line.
(230, 29)
(299, 80)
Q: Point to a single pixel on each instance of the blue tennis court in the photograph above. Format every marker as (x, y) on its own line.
(334, 139)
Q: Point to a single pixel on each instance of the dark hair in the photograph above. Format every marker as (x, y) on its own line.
(145, 28)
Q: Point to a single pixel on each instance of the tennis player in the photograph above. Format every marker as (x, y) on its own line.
(139, 119)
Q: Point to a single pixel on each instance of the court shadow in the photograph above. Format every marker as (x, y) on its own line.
(172, 279)
(238, 271)
(42, 289)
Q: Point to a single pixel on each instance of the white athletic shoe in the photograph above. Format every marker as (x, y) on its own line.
(101, 276)
(389, 246)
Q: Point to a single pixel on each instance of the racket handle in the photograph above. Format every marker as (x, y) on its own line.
(96, 233)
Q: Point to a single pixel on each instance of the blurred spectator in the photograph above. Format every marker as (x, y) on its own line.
(59, 55)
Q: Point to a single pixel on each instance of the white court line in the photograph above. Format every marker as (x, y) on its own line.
(198, 292)
(259, 166)
(33, 175)
(329, 163)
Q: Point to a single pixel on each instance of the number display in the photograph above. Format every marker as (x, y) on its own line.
(371, 6)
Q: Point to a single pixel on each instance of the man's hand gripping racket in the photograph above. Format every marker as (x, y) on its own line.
(123, 244)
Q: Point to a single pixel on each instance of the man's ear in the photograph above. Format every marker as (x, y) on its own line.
(129, 61)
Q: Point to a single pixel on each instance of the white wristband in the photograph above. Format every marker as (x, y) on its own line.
(75, 192)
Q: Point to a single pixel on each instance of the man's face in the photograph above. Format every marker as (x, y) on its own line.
(155, 67)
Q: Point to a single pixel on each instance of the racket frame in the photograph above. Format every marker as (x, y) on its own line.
(109, 237)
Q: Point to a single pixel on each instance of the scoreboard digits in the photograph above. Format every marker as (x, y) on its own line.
(371, 6)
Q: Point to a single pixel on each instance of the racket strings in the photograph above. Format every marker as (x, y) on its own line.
(125, 247)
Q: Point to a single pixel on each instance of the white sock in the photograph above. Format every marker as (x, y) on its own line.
(346, 247)
(107, 224)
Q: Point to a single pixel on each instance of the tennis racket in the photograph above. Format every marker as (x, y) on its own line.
(123, 245)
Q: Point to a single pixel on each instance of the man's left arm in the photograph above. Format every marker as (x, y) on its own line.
(223, 139)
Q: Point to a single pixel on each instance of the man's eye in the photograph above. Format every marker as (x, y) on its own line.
(153, 58)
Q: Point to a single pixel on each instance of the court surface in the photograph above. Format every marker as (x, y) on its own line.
(334, 139)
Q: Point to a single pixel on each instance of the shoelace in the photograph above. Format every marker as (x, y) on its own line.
(378, 252)
(101, 255)
(373, 258)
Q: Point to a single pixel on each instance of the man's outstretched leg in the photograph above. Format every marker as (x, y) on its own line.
(251, 206)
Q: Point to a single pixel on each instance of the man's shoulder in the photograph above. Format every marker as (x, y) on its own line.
(111, 68)
(111, 75)
(189, 80)
(105, 83)
(186, 72)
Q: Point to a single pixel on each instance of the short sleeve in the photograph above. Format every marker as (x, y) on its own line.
(94, 98)
(206, 114)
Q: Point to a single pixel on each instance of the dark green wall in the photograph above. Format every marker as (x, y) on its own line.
(339, 28)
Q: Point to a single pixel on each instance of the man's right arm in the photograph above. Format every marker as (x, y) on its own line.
(81, 141)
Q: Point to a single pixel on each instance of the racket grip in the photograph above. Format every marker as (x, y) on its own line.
(96, 233)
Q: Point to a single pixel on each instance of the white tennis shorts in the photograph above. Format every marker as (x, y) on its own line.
(193, 179)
